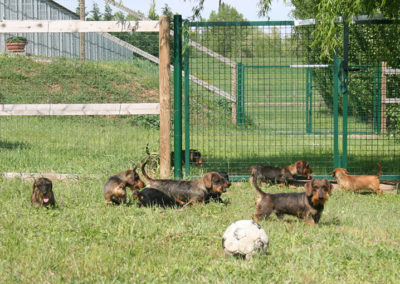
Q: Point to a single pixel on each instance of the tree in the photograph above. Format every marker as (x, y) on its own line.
(222, 40)
(152, 11)
(327, 12)
(96, 15)
(166, 10)
(108, 16)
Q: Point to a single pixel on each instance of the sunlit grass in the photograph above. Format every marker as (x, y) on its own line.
(83, 240)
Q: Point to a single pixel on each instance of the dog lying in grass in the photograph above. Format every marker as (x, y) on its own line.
(149, 197)
(188, 192)
(42, 193)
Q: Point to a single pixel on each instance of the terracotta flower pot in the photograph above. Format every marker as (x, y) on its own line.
(16, 46)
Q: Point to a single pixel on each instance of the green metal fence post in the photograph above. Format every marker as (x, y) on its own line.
(374, 113)
(178, 96)
(344, 90)
(186, 100)
(379, 100)
(243, 92)
(239, 94)
(308, 101)
(336, 86)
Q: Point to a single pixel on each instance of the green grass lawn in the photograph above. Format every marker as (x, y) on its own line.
(83, 240)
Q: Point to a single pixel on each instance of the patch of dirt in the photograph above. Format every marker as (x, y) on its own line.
(55, 88)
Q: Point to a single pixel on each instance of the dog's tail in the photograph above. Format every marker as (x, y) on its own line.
(253, 180)
(144, 164)
(380, 170)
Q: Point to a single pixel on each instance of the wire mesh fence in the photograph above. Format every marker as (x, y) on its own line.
(264, 96)
(58, 131)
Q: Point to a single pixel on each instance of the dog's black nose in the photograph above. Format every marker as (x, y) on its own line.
(321, 195)
(224, 189)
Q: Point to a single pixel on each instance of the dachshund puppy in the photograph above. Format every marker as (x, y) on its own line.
(149, 197)
(284, 175)
(217, 196)
(42, 193)
(307, 205)
(194, 157)
(115, 187)
(188, 192)
(354, 183)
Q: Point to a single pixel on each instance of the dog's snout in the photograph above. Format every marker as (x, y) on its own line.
(320, 195)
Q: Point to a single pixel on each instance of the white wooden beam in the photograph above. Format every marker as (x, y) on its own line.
(392, 71)
(78, 109)
(76, 26)
(391, 101)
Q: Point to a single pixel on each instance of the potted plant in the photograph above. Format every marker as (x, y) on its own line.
(16, 44)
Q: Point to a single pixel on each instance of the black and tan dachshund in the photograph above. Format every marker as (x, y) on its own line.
(270, 174)
(115, 187)
(149, 197)
(306, 205)
(195, 157)
(216, 196)
(188, 192)
(42, 193)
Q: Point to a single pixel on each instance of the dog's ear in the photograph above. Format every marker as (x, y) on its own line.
(333, 173)
(207, 179)
(34, 185)
(329, 186)
(299, 166)
(309, 187)
(346, 172)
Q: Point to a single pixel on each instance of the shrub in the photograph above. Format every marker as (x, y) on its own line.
(16, 39)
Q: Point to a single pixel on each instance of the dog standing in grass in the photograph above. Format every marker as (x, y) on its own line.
(270, 174)
(355, 183)
(306, 205)
(42, 193)
(115, 187)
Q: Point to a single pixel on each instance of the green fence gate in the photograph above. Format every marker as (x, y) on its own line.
(255, 94)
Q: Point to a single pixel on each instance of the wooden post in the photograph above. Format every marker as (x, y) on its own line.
(234, 94)
(82, 35)
(383, 97)
(165, 101)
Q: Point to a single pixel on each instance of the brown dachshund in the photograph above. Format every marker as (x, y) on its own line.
(115, 187)
(284, 175)
(306, 205)
(188, 192)
(42, 193)
(216, 196)
(354, 183)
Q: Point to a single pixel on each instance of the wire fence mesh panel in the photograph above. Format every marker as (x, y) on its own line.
(265, 106)
(58, 130)
(260, 94)
(373, 125)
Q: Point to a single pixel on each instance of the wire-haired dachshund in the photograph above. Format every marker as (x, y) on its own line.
(284, 175)
(149, 197)
(194, 157)
(216, 196)
(354, 183)
(42, 193)
(306, 205)
(115, 187)
(188, 192)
